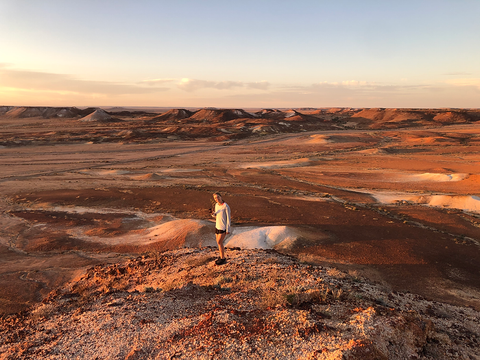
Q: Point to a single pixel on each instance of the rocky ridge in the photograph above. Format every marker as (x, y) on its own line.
(261, 304)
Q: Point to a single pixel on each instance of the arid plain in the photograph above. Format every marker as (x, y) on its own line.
(391, 193)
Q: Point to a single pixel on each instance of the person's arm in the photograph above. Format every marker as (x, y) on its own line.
(228, 219)
(215, 211)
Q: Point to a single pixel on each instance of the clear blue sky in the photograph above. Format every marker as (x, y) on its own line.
(226, 53)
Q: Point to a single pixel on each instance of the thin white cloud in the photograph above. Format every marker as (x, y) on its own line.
(458, 74)
(347, 83)
(191, 85)
(260, 85)
(153, 82)
(352, 88)
(194, 84)
(19, 85)
(475, 82)
(366, 94)
(43, 81)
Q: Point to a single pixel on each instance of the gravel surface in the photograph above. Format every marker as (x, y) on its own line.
(259, 305)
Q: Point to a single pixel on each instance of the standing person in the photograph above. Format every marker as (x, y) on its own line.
(222, 225)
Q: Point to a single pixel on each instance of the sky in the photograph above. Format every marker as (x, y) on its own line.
(240, 54)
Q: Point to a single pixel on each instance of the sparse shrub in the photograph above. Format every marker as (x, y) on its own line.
(222, 279)
(313, 296)
(112, 284)
(357, 296)
(336, 273)
(323, 295)
(381, 301)
(308, 259)
(119, 284)
(105, 288)
(355, 276)
(84, 291)
(271, 298)
(299, 297)
(171, 284)
(43, 311)
(251, 278)
(337, 294)
(151, 289)
(271, 260)
(328, 293)
(81, 288)
(291, 298)
(200, 260)
(156, 255)
(320, 310)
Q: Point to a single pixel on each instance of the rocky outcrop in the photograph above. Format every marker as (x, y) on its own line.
(261, 305)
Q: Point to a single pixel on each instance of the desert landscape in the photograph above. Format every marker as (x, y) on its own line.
(390, 196)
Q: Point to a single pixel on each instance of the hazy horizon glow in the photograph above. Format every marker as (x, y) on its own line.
(249, 54)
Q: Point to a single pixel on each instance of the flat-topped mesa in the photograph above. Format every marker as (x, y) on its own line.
(171, 116)
(99, 115)
(20, 112)
(219, 115)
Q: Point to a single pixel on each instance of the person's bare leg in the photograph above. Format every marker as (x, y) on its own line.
(220, 238)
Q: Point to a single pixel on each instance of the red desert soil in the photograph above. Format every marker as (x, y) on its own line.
(78, 193)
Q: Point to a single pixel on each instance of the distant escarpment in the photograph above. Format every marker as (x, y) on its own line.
(288, 120)
(19, 112)
(123, 125)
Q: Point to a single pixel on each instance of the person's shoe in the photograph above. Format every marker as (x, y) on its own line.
(220, 261)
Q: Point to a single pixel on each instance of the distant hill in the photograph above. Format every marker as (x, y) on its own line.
(398, 118)
(43, 112)
(220, 123)
(100, 115)
(220, 115)
(172, 116)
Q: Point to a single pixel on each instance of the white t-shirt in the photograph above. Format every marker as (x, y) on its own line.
(222, 214)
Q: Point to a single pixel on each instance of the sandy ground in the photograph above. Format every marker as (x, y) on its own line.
(401, 206)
